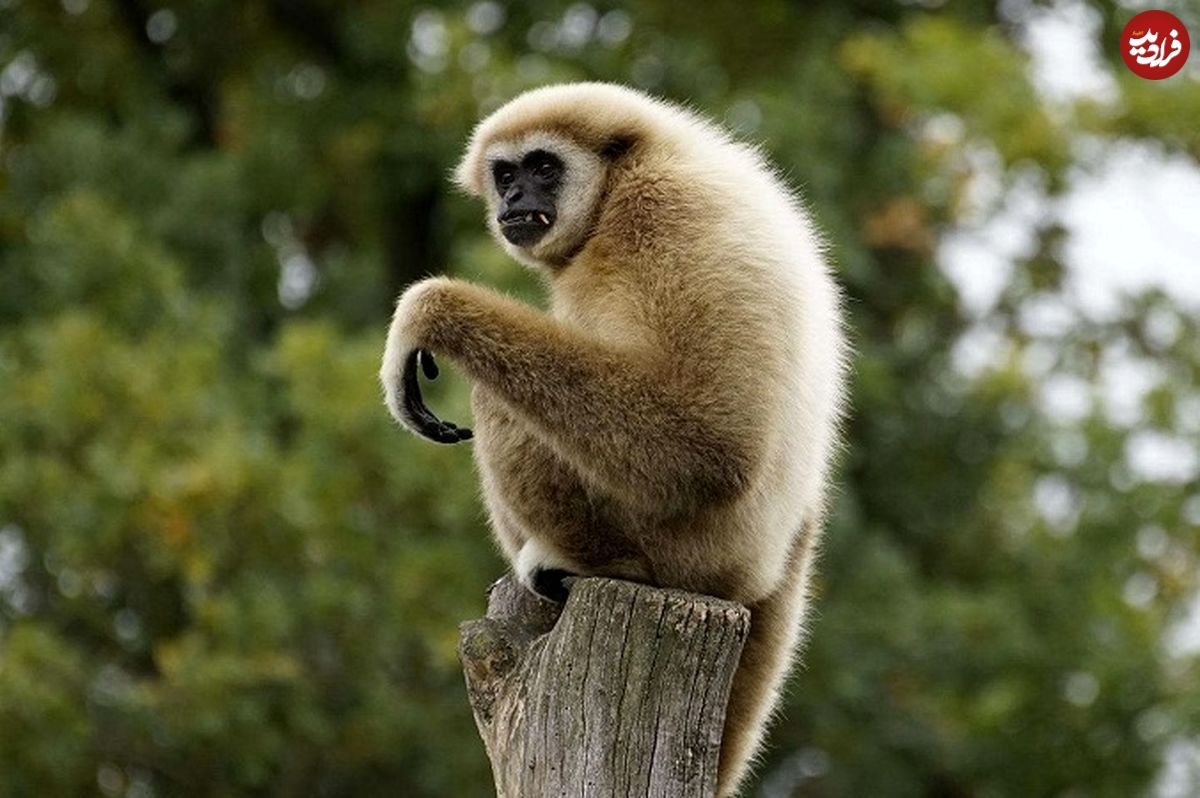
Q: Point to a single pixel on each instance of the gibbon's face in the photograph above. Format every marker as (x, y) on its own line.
(544, 197)
(528, 194)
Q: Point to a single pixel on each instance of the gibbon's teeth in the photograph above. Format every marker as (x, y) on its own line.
(545, 221)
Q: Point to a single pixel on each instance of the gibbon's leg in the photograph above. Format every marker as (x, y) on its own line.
(561, 527)
(606, 411)
(506, 531)
(775, 626)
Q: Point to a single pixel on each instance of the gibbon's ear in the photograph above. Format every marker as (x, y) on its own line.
(468, 176)
(616, 146)
(463, 177)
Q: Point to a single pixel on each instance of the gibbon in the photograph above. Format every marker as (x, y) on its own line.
(671, 419)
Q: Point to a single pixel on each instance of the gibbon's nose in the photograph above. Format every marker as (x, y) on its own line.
(513, 194)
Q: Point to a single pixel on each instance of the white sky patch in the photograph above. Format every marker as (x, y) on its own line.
(1065, 397)
(297, 279)
(977, 350)
(1046, 316)
(1152, 542)
(1125, 379)
(1158, 457)
(1132, 223)
(298, 274)
(1183, 639)
(978, 257)
(1180, 776)
(1059, 504)
(1063, 46)
(976, 269)
(13, 556)
(1135, 224)
(1131, 209)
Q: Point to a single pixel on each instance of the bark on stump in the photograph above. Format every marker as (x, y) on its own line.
(619, 692)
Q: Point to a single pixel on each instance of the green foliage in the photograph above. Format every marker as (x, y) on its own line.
(897, 69)
(224, 571)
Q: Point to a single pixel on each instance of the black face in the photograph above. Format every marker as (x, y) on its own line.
(528, 192)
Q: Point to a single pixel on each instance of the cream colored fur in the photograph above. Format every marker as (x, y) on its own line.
(672, 419)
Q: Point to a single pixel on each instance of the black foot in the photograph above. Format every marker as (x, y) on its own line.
(550, 583)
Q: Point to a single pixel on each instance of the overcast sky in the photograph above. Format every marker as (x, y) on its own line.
(1133, 212)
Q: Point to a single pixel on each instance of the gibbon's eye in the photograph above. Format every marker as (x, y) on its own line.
(544, 166)
(503, 174)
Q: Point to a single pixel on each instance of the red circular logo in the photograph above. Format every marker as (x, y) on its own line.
(1155, 45)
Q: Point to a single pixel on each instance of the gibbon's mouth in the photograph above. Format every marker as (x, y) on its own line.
(525, 227)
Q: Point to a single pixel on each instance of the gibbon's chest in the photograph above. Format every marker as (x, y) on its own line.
(597, 306)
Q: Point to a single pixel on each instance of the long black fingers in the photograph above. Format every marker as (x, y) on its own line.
(424, 422)
(425, 358)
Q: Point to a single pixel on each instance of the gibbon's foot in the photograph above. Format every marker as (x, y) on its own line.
(423, 420)
(553, 583)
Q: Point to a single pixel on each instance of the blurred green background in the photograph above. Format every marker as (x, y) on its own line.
(223, 571)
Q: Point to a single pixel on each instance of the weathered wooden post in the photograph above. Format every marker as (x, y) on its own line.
(619, 692)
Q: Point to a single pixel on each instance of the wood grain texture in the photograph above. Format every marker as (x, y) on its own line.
(619, 692)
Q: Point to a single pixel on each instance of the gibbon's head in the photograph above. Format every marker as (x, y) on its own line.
(542, 163)
(542, 191)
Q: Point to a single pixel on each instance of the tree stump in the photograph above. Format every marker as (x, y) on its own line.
(619, 692)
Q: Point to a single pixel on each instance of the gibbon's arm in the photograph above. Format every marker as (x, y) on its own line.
(604, 410)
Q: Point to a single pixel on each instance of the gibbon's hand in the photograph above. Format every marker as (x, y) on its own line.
(407, 350)
(423, 421)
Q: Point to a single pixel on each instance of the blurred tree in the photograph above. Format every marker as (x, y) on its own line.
(222, 571)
